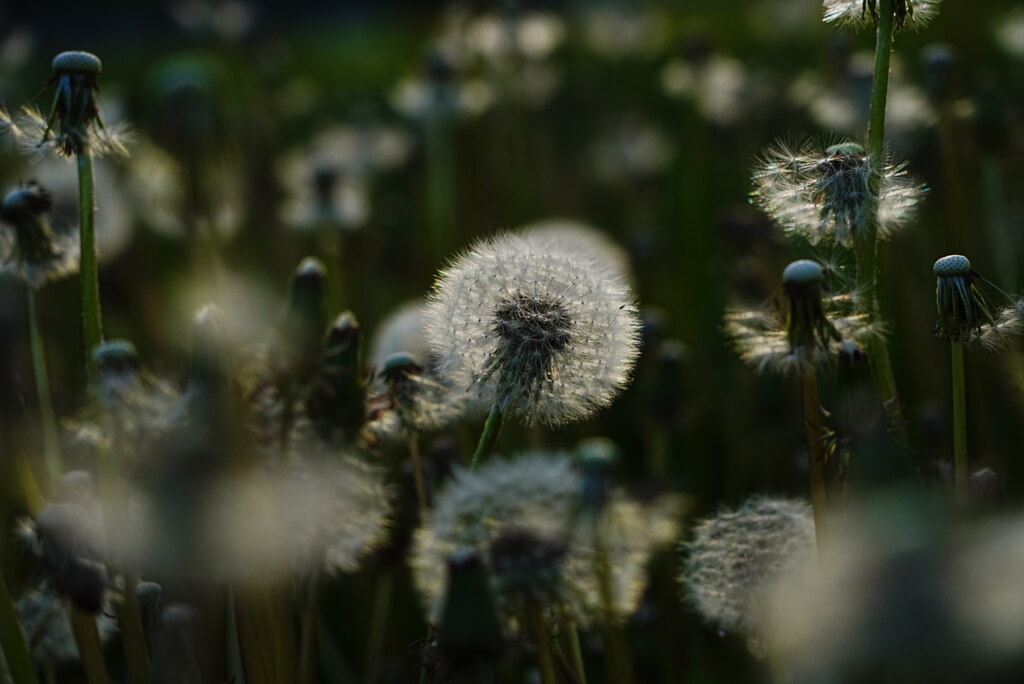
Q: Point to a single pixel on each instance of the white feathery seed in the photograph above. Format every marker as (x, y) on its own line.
(858, 14)
(543, 331)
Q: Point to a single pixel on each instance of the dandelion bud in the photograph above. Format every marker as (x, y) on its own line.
(469, 630)
(961, 307)
(149, 595)
(296, 348)
(398, 367)
(736, 555)
(987, 487)
(940, 61)
(596, 456)
(336, 402)
(806, 324)
(175, 657)
(36, 254)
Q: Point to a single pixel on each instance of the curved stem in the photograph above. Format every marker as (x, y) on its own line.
(815, 454)
(51, 434)
(92, 316)
(959, 422)
(488, 437)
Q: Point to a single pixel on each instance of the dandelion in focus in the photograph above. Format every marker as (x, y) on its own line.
(861, 13)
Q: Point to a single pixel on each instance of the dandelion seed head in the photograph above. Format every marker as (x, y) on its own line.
(735, 555)
(962, 309)
(863, 13)
(34, 252)
(825, 195)
(547, 334)
(577, 236)
(317, 510)
(521, 514)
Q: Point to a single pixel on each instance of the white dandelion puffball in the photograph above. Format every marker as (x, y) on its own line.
(536, 328)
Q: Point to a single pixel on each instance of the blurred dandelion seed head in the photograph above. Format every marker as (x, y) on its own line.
(520, 516)
(546, 333)
(735, 555)
(34, 252)
(825, 195)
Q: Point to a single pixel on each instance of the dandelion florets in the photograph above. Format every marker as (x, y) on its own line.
(861, 13)
(826, 195)
(542, 332)
(735, 555)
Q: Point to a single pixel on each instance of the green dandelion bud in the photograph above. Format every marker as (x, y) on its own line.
(296, 348)
(336, 401)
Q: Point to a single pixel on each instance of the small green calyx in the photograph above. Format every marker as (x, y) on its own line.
(77, 62)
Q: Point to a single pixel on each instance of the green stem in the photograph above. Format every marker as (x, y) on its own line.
(867, 244)
(308, 661)
(378, 625)
(12, 640)
(815, 454)
(83, 626)
(441, 180)
(572, 637)
(92, 317)
(488, 437)
(539, 626)
(51, 435)
(959, 422)
(617, 656)
(132, 636)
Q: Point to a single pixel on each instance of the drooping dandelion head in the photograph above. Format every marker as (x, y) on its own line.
(542, 331)
(735, 555)
(862, 13)
(807, 326)
(962, 309)
(35, 252)
(826, 195)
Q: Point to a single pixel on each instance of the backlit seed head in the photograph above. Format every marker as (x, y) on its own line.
(962, 308)
(33, 251)
(544, 332)
(735, 556)
(864, 13)
(826, 195)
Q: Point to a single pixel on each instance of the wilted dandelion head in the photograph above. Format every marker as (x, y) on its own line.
(962, 309)
(803, 327)
(541, 332)
(735, 555)
(34, 253)
(520, 517)
(826, 195)
(860, 13)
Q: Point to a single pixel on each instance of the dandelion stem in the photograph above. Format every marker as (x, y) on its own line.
(441, 180)
(539, 625)
(378, 626)
(867, 246)
(488, 437)
(130, 619)
(308, 660)
(959, 421)
(12, 640)
(572, 638)
(51, 438)
(815, 457)
(83, 625)
(417, 472)
(92, 316)
(620, 669)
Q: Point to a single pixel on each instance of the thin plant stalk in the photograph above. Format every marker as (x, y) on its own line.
(572, 639)
(867, 245)
(51, 438)
(959, 421)
(617, 657)
(83, 626)
(12, 640)
(542, 635)
(308, 660)
(92, 315)
(488, 437)
(815, 453)
(441, 177)
(422, 497)
(130, 619)
(378, 626)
